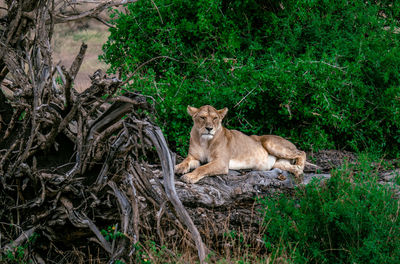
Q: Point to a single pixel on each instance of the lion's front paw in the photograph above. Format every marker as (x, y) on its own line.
(182, 168)
(190, 178)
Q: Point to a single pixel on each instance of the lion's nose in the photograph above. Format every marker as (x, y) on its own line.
(209, 129)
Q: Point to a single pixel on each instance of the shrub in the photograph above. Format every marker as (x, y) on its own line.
(351, 219)
(323, 73)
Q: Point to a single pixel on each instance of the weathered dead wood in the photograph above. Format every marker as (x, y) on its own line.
(243, 186)
(236, 187)
(168, 172)
(71, 74)
(25, 235)
(81, 220)
(54, 140)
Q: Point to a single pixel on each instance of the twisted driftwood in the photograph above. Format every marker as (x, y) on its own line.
(70, 164)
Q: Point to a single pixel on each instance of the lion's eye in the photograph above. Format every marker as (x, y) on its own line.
(202, 118)
(215, 118)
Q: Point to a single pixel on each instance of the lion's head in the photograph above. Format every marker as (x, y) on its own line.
(207, 120)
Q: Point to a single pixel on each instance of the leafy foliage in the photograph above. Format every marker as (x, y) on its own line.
(19, 254)
(323, 73)
(150, 252)
(351, 219)
(111, 233)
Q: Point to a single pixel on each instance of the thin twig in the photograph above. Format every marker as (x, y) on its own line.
(328, 64)
(143, 64)
(241, 100)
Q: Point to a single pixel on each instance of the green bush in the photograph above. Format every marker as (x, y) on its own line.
(351, 219)
(323, 73)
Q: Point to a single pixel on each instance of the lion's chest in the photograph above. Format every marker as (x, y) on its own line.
(201, 152)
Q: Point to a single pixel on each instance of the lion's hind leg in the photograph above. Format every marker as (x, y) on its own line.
(285, 151)
(285, 165)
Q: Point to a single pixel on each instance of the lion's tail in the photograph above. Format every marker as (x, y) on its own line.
(313, 165)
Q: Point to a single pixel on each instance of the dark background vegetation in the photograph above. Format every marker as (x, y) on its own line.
(324, 74)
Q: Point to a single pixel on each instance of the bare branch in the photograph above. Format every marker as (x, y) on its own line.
(21, 239)
(71, 74)
(144, 64)
(168, 172)
(101, 5)
(81, 220)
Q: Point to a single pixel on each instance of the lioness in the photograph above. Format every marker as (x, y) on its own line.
(223, 149)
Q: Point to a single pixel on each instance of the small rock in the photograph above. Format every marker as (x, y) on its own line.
(281, 177)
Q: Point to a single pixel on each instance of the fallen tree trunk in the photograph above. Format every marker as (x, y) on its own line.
(236, 187)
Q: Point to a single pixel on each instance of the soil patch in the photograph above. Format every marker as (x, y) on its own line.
(329, 159)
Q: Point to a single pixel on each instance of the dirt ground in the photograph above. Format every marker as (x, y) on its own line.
(66, 44)
(68, 38)
(329, 159)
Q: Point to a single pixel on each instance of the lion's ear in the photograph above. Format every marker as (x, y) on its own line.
(223, 112)
(192, 110)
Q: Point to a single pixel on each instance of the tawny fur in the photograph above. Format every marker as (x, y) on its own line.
(221, 149)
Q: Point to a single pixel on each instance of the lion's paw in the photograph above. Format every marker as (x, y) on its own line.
(189, 178)
(182, 168)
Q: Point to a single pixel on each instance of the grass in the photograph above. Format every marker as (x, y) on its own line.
(89, 35)
(349, 219)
